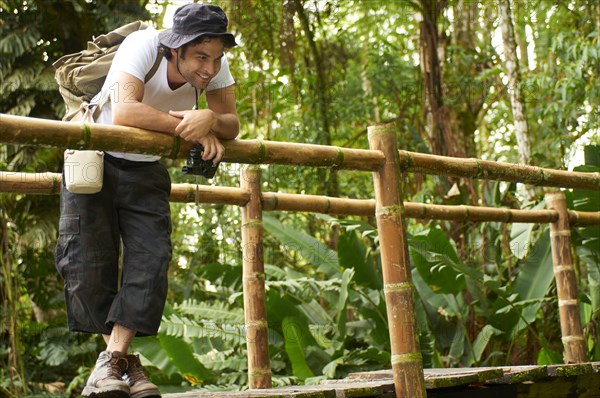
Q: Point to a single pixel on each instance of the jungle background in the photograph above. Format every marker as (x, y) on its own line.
(513, 81)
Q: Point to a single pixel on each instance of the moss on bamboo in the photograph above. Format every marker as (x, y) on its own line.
(190, 195)
(410, 357)
(262, 151)
(257, 276)
(573, 369)
(253, 224)
(340, 159)
(405, 160)
(175, 148)
(86, 136)
(384, 211)
(259, 324)
(366, 391)
(56, 185)
(382, 129)
(328, 207)
(398, 287)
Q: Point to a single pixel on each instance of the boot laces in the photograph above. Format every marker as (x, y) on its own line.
(116, 366)
(135, 372)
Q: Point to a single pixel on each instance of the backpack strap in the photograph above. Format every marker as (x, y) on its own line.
(154, 68)
(98, 107)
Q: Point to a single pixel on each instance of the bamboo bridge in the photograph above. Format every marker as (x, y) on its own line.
(407, 377)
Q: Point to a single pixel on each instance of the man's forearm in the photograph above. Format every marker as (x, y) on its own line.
(138, 114)
(226, 126)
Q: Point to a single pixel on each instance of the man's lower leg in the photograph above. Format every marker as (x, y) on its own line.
(106, 380)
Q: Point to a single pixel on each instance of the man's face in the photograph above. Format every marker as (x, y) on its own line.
(199, 63)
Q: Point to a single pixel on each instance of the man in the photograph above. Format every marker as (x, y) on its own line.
(133, 206)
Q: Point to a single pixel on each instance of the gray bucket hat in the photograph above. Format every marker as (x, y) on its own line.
(194, 20)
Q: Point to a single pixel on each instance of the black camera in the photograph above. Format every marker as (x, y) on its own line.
(195, 165)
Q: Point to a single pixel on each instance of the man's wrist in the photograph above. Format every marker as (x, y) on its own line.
(215, 121)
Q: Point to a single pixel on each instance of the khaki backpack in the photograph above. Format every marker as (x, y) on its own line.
(80, 76)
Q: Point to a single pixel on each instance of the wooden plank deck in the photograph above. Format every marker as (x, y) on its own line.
(556, 381)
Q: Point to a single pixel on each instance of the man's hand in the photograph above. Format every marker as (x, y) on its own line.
(213, 149)
(195, 124)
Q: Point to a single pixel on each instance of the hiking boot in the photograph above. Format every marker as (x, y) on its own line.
(106, 378)
(139, 385)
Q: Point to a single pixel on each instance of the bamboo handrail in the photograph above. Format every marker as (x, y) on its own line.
(50, 183)
(78, 135)
(485, 169)
(27, 130)
(190, 193)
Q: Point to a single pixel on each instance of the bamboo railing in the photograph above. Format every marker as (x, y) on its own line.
(385, 161)
(24, 130)
(488, 170)
(50, 184)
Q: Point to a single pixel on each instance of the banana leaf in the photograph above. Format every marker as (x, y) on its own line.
(182, 357)
(534, 279)
(353, 253)
(436, 260)
(296, 339)
(310, 249)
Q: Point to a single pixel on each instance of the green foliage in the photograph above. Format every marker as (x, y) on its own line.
(437, 262)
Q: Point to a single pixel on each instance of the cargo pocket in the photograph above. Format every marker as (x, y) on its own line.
(64, 254)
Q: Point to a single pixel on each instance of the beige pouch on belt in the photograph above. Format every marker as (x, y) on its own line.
(84, 171)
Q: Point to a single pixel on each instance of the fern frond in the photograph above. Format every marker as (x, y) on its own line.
(307, 288)
(42, 233)
(20, 79)
(24, 106)
(179, 326)
(45, 81)
(217, 311)
(17, 43)
(175, 325)
(220, 361)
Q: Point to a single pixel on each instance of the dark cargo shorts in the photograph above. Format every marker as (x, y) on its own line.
(133, 207)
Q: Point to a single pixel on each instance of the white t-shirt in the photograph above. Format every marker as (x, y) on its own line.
(136, 56)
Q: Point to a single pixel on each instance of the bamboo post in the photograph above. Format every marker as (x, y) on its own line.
(255, 311)
(566, 282)
(407, 362)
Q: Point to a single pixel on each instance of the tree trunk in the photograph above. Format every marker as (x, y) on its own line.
(331, 186)
(367, 85)
(511, 64)
(441, 140)
(287, 33)
(465, 17)
(472, 96)
(520, 34)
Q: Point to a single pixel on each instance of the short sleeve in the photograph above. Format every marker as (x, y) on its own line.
(223, 78)
(137, 54)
